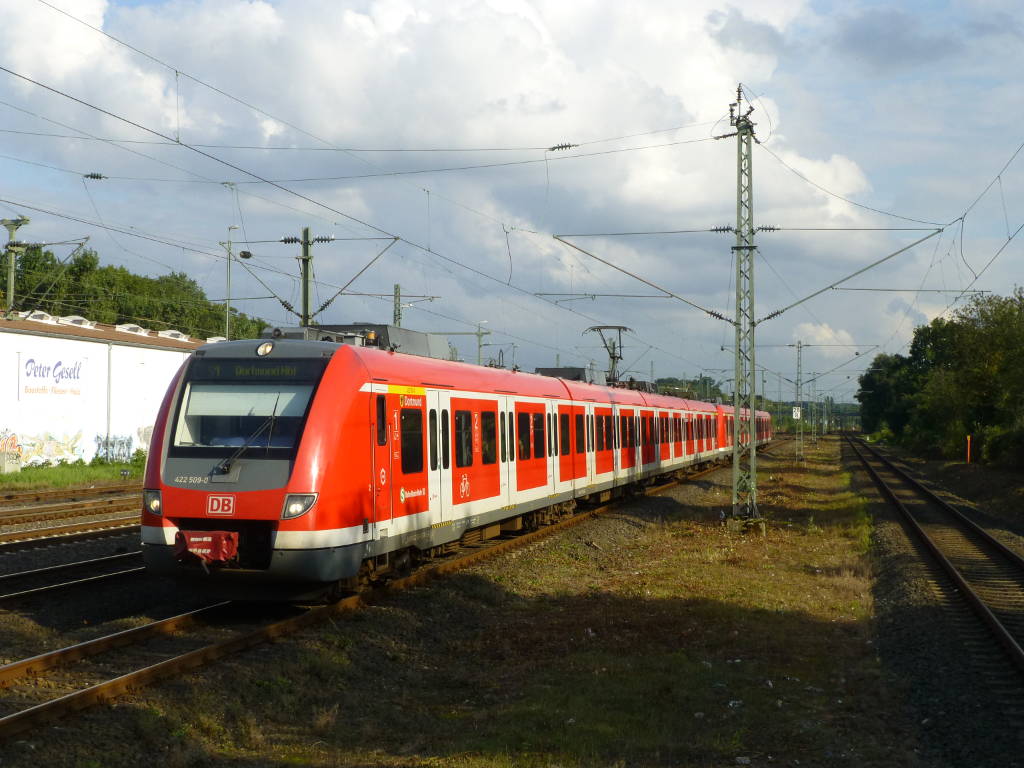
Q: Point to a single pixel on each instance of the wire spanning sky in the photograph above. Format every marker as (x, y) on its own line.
(475, 131)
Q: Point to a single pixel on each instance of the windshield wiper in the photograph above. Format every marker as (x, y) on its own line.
(224, 467)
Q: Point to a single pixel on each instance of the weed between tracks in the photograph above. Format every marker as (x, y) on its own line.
(651, 636)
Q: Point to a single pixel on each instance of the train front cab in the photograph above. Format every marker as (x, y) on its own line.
(256, 455)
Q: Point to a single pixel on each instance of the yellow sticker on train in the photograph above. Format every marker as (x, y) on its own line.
(395, 389)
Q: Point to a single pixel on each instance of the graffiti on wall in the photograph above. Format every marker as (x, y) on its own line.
(9, 442)
(51, 448)
(114, 447)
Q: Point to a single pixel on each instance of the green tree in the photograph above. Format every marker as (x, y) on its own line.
(109, 294)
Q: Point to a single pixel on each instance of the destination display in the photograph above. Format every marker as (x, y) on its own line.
(226, 369)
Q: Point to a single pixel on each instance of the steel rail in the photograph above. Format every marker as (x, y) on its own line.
(1008, 553)
(1005, 638)
(63, 567)
(17, 670)
(68, 510)
(69, 584)
(47, 711)
(38, 535)
(15, 498)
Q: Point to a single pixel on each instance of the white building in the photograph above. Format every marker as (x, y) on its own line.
(71, 388)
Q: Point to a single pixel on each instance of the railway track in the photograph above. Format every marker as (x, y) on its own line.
(26, 517)
(54, 578)
(36, 538)
(28, 498)
(980, 571)
(228, 637)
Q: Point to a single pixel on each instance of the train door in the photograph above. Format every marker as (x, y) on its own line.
(551, 422)
(439, 480)
(506, 448)
(627, 445)
(565, 455)
(382, 444)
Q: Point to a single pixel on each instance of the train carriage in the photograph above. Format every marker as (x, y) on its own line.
(297, 465)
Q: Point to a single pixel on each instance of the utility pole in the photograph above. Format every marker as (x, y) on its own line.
(779, 406)
(227, 301)
(814, 411)
(306, 271)
(12, 225)
(305, 263)
(800, 401)
(744, 451)
(479, 333)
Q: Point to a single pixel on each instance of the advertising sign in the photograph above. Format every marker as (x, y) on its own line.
(51, 376)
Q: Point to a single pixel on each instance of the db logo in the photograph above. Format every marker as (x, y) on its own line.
(464, 487)
(220, 505)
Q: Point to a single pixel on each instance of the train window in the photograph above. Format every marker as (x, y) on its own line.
(463, 438)
(432, 429)
(665, 430)
(445, 453)
(644, 436)
(609, 429)
(615, 432)
(523, 428)
(538, 435)
(553, 440)
(580, 437)
(590, 433)
(563, 433)
(382, 421)
(501, 420)
(488, 438)
(600, 433)
(412, 440)
(511, 438)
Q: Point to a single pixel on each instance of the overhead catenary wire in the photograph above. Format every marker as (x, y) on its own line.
(178, 73)
(841, 197)
(874, 264)
(376, 150)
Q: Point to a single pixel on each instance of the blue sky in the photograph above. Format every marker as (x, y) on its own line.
(910, 108)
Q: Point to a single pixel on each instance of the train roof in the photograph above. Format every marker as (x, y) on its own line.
(412, 370)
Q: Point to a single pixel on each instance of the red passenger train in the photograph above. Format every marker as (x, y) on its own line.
(288, 466)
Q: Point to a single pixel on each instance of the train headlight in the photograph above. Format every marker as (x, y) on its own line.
(297, 504)
(151, 502)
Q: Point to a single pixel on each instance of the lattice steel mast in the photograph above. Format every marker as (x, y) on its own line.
(744, 452)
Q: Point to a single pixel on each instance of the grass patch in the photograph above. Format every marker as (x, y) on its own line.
(69, 475)
(654, 636)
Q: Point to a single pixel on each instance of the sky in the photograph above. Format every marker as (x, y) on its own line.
(428, 138)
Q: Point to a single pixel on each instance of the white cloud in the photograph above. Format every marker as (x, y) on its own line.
(510, 73)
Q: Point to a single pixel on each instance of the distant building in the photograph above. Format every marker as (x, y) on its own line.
(75, 388)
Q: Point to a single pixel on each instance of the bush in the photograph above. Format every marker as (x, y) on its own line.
(1003, 447)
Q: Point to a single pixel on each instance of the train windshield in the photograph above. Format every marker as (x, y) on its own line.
(226, 405)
